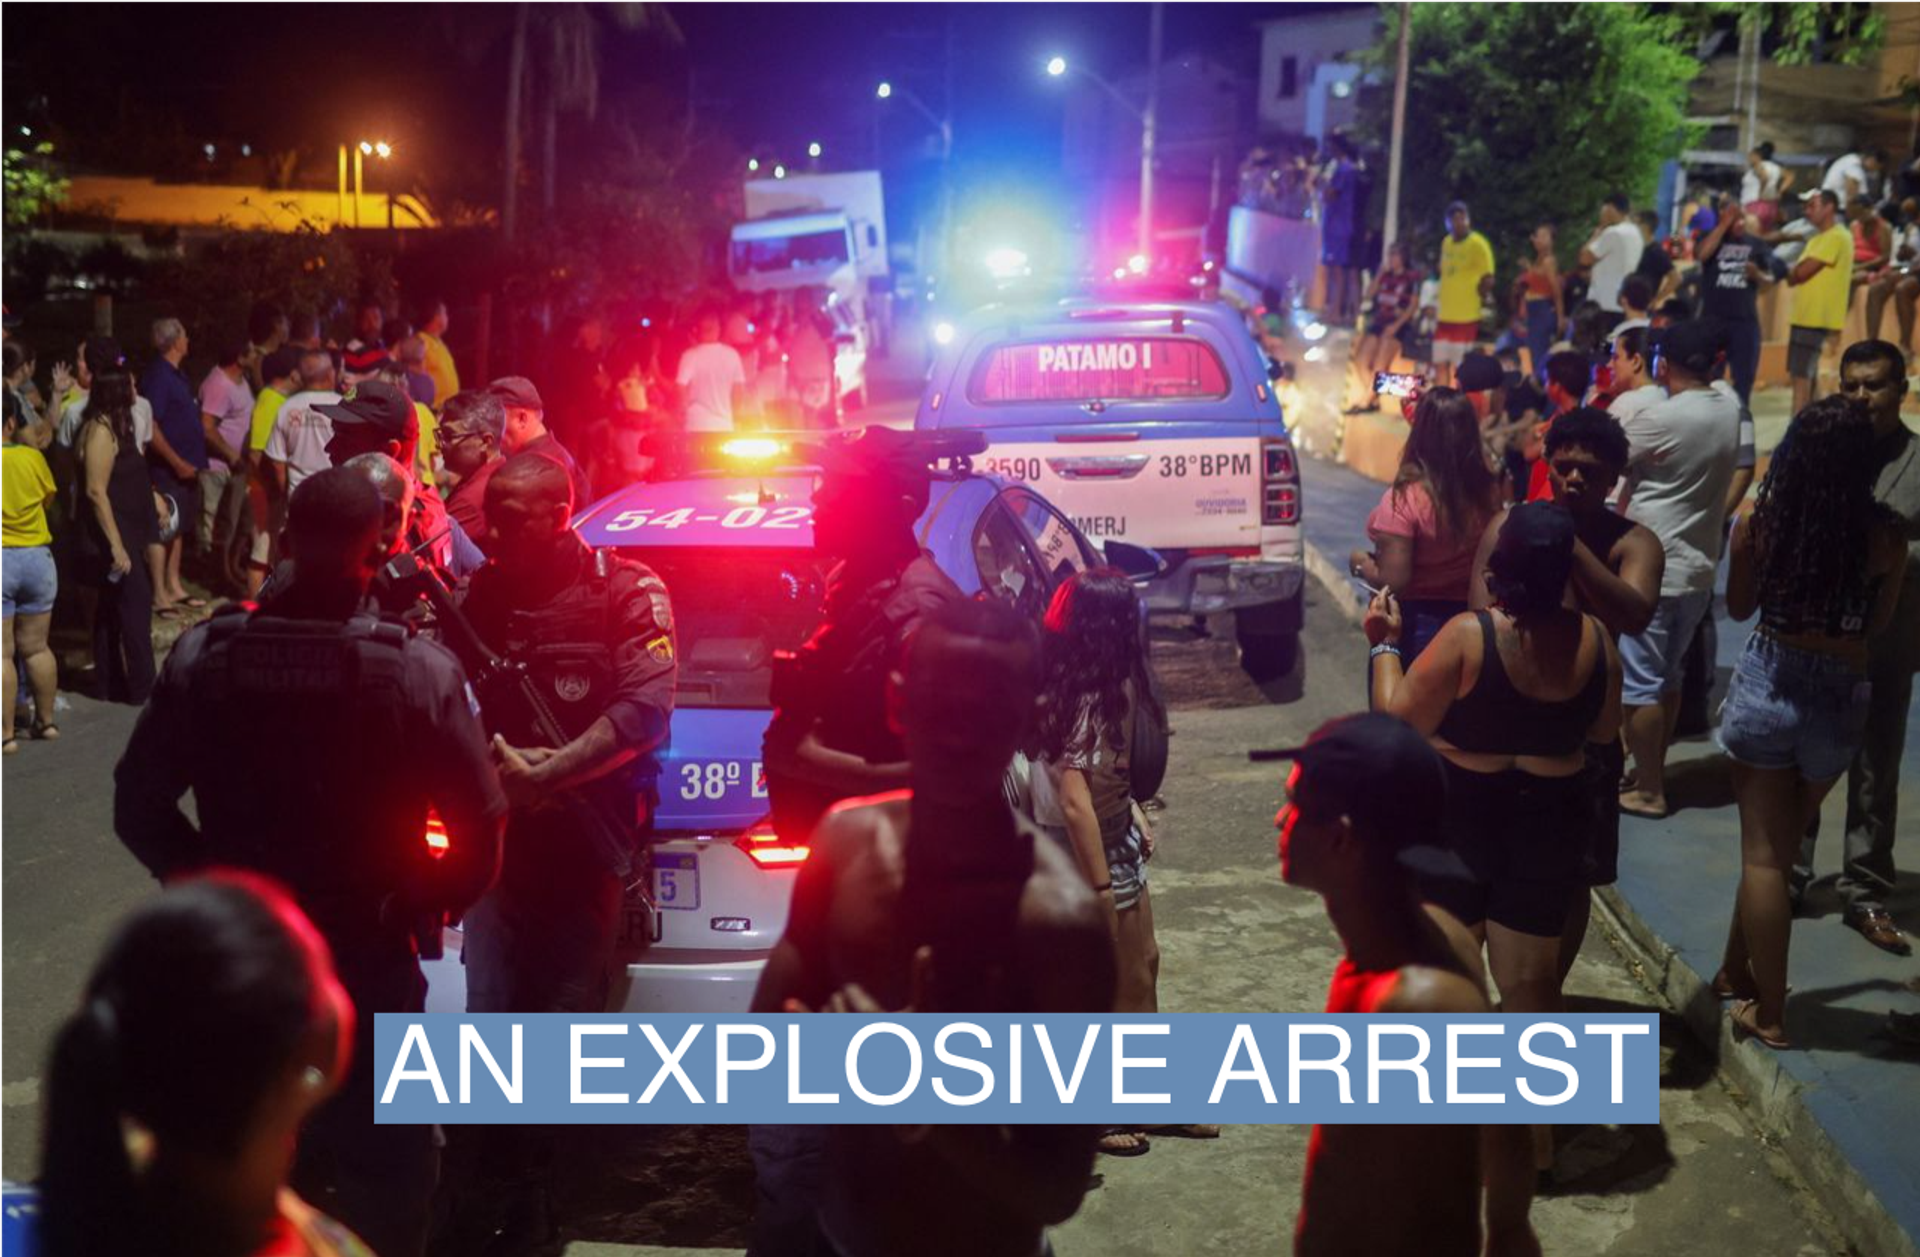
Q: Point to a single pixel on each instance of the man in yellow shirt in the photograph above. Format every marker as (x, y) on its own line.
(1466, 280)
(279, 380)
(1823, 284)
(432, 326)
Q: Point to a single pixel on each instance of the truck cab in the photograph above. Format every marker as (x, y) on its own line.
(1152, 423)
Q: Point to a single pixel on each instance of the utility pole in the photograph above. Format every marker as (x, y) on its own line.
(1391, 231)
(1148, 124)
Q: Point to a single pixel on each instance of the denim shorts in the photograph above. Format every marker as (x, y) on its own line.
(1792, 708)
(1653, 661)
(1126, 856)
(30, 579)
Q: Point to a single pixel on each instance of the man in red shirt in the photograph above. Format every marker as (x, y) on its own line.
(1363, 802)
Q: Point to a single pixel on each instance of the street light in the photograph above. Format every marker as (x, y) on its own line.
(1148, 115)
(779, 172)
(813, 149)
(887, 91)
(753, 163)
(362, 151)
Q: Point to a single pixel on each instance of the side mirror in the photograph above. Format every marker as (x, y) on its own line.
(1138, 562)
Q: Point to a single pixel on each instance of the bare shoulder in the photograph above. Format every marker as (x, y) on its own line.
(1429, 989)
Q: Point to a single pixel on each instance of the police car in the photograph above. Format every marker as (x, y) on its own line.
(734, 544)
(1151, 422)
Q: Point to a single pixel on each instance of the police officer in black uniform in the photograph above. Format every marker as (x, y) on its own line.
(315, 737)
(830, 738)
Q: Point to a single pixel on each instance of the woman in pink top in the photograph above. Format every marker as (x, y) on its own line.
(1428, 523)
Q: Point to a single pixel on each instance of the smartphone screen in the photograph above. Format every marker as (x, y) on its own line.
(1398, 383)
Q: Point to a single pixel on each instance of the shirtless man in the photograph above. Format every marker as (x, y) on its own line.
(936, 898)
(1617, 566)
(1361, 807)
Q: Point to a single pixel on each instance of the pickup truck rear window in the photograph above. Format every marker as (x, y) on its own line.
(1105, 368)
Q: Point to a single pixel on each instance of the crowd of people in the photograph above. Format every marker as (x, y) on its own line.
(126, 476)
(1538, 585)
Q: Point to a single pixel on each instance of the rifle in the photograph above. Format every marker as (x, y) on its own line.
(493, 673)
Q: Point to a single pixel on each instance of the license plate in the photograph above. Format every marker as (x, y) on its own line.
(676, 881)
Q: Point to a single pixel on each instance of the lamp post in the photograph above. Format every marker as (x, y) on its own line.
(889, 91)
(1147, 115)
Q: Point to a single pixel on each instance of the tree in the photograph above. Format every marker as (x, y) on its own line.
(33, 186)
(1843, 32)
(1531, 112)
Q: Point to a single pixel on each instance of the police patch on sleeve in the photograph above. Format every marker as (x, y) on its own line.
(660, 649)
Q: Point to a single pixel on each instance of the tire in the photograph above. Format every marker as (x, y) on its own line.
(1266, 656)
(1147, 757)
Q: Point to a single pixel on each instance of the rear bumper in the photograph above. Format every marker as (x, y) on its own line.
(659, 984)
(1214, 583)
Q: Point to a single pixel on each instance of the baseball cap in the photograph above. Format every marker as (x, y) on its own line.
(1693, 346)
(377, 404)
(517, 391)
(1379, 771)
(1479, 371)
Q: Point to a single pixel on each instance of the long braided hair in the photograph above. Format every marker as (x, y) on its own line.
(1816, 513)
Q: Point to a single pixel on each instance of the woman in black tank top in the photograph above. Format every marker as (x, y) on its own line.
(1510, 698)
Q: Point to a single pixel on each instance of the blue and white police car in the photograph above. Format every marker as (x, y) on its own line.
(1152, 422)
(734, 544)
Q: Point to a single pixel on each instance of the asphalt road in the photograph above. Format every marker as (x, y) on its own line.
(1232, 937)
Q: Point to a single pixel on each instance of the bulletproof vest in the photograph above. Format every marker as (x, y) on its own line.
(567, 649)
(301, 767)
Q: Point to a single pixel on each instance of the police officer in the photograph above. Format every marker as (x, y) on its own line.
(576, 693)
(314, 738)
(830, 738)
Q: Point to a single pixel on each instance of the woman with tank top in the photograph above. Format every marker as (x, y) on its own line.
(1821, 560)
(121, 523)
(1510, 697)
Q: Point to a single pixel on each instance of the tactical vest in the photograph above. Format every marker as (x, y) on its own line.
(567, 648)
(300, 754)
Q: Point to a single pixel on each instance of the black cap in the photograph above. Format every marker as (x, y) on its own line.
(1479, 371)
(518, 392)
(1379, 771)
(377, 404)
(1692, 346)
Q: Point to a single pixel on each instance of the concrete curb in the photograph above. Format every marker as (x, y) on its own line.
(1777, 1102)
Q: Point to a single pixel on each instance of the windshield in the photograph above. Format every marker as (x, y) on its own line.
(732, 609)
(1106, 369)
(804, 250)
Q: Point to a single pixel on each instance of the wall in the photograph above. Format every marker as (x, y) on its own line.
(1308, 42)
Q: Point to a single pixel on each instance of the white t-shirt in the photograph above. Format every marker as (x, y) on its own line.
(709, 373)
(1680, 459)
(1615, 253)
(232, 402)
(68, 430)
(1764, 186)
(300, 435)
(1843, 169)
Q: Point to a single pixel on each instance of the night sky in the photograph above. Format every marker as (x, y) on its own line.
(766, 76)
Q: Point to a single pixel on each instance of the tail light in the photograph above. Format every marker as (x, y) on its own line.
(769, 851)
(1279, 483)
(436, 834)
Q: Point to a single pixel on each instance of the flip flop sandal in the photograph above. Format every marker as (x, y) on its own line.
(1645, 814)
(1139, 1148)
(1746, 1027)
(47, 732)
(1723, 989)
(10, 746)
(1192, 1130)
(195, 604)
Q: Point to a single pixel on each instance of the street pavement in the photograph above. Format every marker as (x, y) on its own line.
(1232, 938)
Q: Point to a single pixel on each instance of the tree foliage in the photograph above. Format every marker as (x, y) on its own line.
(1530, 112)
(33, 185)
(1847, 32)
(212, 287)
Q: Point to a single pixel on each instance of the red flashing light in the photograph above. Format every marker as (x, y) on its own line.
(768, 851)
(436, 834)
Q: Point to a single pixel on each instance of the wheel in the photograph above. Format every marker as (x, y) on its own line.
(1147, 757)
(1266, 656)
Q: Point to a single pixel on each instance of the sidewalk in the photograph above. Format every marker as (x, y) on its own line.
(1845, 1106)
